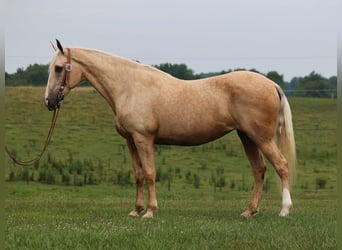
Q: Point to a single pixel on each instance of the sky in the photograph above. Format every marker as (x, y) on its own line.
(293, 37)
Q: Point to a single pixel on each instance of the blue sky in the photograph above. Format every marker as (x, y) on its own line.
(293, 37)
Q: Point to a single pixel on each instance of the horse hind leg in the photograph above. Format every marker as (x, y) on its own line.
(279, 163)
(258, 165)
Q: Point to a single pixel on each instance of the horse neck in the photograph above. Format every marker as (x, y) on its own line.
(109, 75)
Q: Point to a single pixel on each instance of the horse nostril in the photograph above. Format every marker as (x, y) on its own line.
(49, 105)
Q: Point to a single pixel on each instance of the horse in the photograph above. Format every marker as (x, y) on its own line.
(152, 107)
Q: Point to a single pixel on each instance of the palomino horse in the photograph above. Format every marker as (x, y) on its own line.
(151, 107)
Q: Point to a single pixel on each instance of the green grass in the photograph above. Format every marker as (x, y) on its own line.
(95, 217)
(42, 216)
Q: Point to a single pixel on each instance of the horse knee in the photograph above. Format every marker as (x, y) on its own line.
(150, 175)
(139, 176)
(150, 178)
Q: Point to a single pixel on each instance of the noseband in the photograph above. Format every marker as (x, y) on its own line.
(68, 68)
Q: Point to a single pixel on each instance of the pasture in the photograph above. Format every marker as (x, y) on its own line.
(195, 211)
(95, 217)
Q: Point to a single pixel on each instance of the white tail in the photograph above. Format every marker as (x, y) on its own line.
(285, 135)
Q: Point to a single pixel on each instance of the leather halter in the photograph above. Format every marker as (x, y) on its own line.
(68, 68)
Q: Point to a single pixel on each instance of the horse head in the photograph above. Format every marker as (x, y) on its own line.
(64, 75)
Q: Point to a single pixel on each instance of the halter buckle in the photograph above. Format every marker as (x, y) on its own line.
(68, 67)
(60, 96)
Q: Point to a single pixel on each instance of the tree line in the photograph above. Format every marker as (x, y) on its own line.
(312, 85)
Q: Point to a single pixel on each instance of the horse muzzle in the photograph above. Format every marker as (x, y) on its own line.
(53, 105)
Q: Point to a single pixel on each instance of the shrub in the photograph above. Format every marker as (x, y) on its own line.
(196, 181)
(35, 176)
(320, 183)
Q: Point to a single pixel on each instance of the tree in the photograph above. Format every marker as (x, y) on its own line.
(333, 81)
(35, 75)
(180, 71)
(314, 85)
(292, 85)
(276, 77)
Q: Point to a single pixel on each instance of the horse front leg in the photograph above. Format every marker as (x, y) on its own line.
(139, 180)
(145, 148)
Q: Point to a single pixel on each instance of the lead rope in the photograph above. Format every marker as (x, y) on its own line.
(60, 97)
(47, 141)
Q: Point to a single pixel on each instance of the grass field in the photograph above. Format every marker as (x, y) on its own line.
(41, 216)
(95, 217)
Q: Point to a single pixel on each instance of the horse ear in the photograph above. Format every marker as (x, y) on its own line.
(59, 45)
(53, 46)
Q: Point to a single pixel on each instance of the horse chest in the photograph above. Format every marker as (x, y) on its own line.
(121, 129)
(135, 122)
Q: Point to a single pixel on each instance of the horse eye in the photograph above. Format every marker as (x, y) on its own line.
(58, 69)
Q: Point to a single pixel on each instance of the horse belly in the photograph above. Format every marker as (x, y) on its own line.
(191, 134)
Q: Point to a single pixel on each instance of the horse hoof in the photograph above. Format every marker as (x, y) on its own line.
(284, 212)
(249, 213)
(134, 213)
(148, 215)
